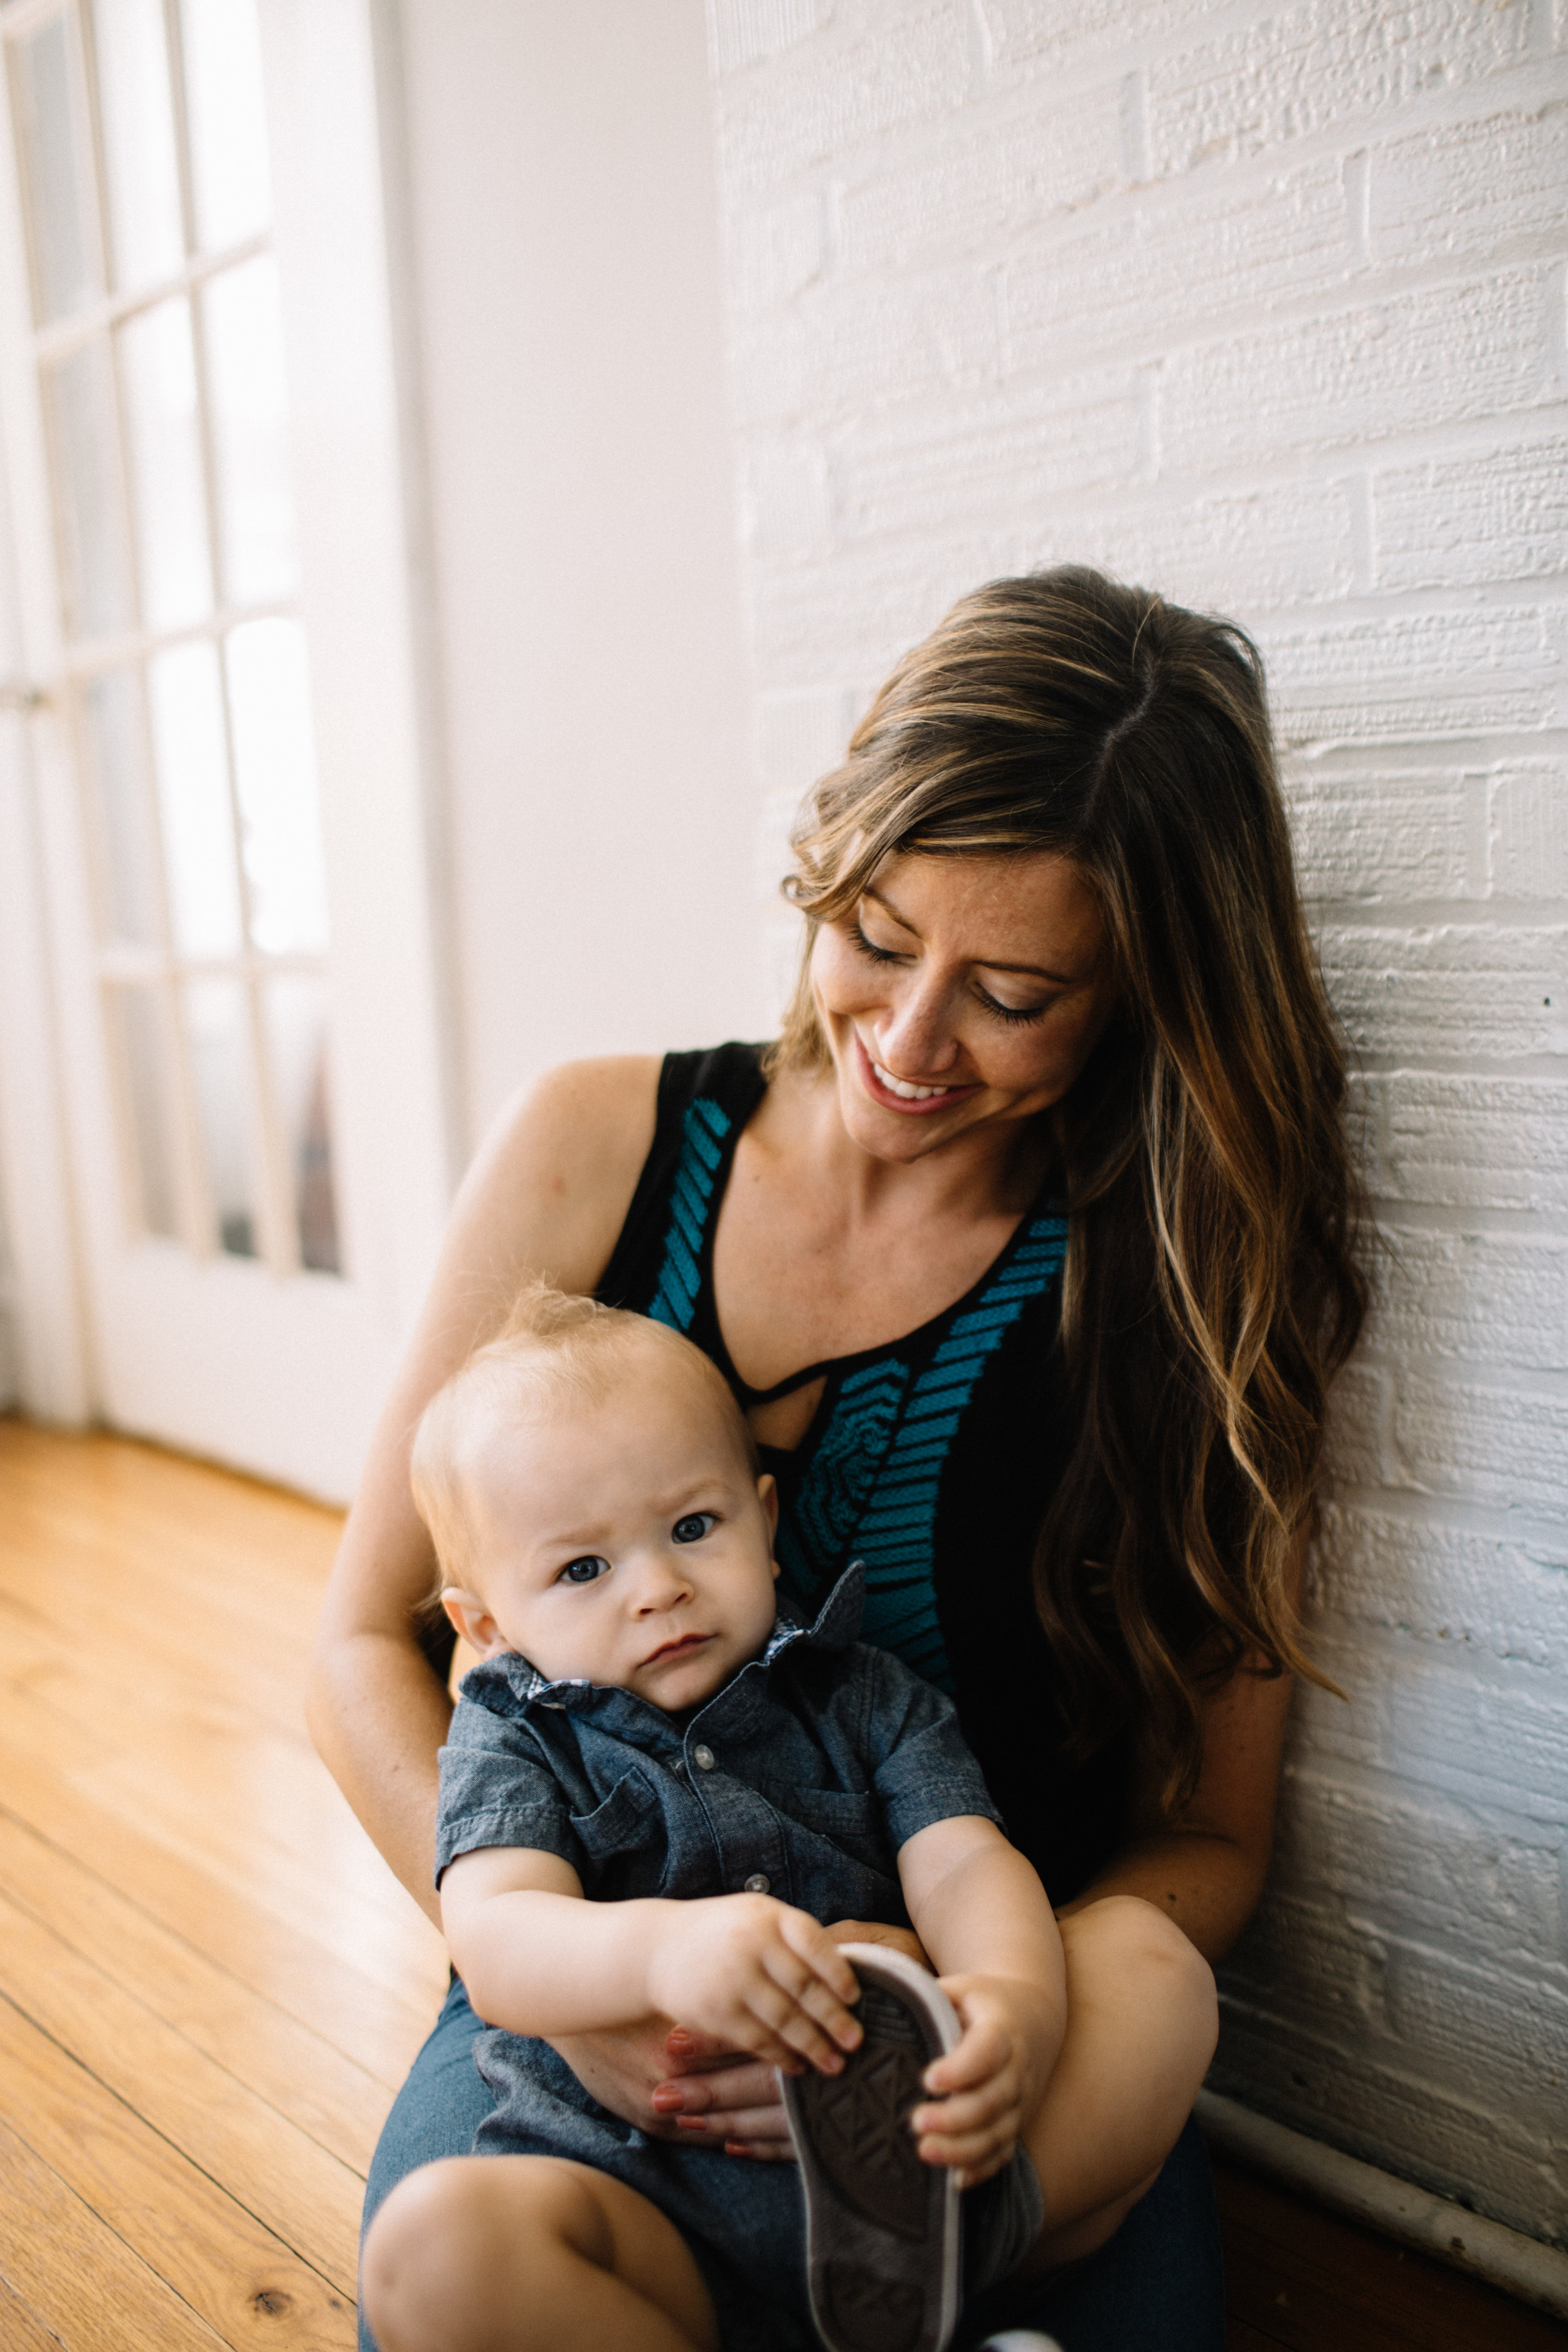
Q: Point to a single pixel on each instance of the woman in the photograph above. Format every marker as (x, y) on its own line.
(1028, 1250)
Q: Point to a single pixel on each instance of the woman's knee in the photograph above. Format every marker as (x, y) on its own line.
(1123, 1941)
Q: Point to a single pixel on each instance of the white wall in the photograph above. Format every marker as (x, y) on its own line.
(580, 475)
(1264, 306)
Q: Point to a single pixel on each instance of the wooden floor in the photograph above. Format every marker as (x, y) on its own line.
(210, 1985)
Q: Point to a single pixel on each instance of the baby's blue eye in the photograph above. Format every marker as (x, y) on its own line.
(693, 1527)
(586, 1570)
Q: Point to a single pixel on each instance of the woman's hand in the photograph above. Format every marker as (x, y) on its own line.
(645, 2073)
(715, 2092)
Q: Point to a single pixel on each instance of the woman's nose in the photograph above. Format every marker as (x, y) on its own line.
(914, 1034)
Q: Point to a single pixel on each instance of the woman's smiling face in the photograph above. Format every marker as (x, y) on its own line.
(962, 992)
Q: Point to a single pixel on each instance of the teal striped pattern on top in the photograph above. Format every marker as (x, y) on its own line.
(691, 1199)
(895, 1534)
(812, 1538)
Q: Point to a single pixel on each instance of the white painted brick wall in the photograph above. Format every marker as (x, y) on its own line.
(1264, 305)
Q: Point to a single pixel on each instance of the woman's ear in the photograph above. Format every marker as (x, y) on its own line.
(473, 1621)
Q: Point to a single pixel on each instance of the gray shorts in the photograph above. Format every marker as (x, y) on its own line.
(744, 2222)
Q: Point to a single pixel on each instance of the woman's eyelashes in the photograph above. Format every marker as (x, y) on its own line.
(694, 1527)
(1021, 1013)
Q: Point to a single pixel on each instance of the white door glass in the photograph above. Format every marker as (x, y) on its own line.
(220, 869)
(233, 1310)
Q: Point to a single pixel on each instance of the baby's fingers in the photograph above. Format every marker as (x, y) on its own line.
(969, 2111)
(984, 2052)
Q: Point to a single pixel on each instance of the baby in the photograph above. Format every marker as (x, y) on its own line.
(720, 1783)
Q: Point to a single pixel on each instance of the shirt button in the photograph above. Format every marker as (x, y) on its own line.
(703, 1758)
(757, 1883)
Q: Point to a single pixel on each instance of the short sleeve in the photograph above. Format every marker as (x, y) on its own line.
(918, 1759)
(497, 1790)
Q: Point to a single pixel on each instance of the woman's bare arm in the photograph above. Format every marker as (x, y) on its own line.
(1205, 1870)
(547, 1194)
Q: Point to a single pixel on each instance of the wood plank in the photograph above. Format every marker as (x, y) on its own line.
(293, 2069)
(233, 2272)
(178, 1754)
(1315, 2283)
(76, 2276)
(378, 2029)
(306, 2197)
(20, 2329)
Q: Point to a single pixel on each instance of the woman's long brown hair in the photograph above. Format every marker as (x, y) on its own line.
(1212, 1288)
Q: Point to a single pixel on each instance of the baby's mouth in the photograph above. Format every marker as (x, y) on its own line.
(681, 1647)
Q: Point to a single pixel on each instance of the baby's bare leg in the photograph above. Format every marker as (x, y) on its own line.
(530, 2254)
(1142, 2025)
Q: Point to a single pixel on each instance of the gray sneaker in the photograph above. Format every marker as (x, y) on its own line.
(882, 2228)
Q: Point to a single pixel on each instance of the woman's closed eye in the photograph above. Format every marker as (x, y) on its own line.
(694, 1527)
(586, 1570)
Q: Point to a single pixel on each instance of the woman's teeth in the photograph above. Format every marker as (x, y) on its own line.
(902, 1086)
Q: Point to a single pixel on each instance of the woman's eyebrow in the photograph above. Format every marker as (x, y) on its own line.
(986, 963)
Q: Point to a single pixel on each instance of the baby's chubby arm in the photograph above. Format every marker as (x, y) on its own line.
(536, 1958)
(981, 1913)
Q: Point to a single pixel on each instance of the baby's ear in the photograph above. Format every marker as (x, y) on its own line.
(473, 1621)
(768, 1495)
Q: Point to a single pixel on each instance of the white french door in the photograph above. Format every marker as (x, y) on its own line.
(206, 495)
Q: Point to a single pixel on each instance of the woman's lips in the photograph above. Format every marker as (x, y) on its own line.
(914, 1106)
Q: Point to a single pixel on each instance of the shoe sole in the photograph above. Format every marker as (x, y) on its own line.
(882, 2228)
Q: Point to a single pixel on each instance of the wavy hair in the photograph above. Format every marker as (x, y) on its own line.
(1212, 1286)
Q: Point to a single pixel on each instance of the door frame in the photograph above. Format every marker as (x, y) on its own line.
(349, 341)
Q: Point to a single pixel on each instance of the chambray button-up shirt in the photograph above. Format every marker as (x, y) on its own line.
(800, 1777)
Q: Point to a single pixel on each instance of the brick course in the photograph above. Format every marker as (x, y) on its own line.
(1264, 305)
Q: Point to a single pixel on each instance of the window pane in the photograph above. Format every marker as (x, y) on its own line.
(275, 774)
(141, 1045)
(186, 705)
(250, 441)
(122, 818)
(139, 155)
(49, 127)
(159, 374)
(227, 126)
(295, 1012)
(217, 1039)
(79, 397)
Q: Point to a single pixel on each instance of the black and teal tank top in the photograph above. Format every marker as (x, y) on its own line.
(932, 1459)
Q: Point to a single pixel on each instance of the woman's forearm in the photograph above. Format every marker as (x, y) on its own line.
(1206, 1883)
(378, 1716)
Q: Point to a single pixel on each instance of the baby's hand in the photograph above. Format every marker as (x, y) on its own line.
(985, 2090)
(760, 1974)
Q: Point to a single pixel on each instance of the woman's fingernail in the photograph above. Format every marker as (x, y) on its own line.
(692, 2122)
(678, 2038)
(666, 2100)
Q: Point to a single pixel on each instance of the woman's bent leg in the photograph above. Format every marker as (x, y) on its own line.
(435, 2114)
(1142, 2020)
(1160, 2282)
(530, 2254)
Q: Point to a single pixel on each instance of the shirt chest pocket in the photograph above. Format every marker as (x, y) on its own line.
(625, 1840)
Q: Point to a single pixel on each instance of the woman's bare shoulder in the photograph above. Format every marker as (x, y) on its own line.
(551, 1182)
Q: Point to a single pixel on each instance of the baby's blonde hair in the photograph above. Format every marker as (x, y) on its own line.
(553, 1351)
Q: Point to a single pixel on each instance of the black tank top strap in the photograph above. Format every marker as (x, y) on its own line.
(661, 1263)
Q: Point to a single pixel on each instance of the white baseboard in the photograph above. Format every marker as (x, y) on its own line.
(1522, 2266)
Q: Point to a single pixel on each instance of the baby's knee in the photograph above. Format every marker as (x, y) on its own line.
(432, 2244)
